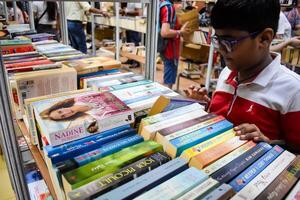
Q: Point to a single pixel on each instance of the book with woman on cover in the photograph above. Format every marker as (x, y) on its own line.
(65, 119)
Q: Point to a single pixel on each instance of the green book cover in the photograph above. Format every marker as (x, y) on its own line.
(109, 164)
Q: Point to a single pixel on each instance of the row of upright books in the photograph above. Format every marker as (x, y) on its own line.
(123, 137)
(290, 55)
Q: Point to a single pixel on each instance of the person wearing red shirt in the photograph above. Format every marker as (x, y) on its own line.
(255, 92)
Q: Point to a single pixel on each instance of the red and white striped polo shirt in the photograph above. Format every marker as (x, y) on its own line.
(271, 101)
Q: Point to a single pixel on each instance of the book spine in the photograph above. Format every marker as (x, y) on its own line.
(294, 193)
(78, 132)
(262, 180)
(28, 63)
(199, 136)
(87, 145)
(33, 68)
(201, 190)
(207, 157)
(147, 181)
(176, 186)
(122, 176)
(194, 128)
(107, 149)
(14, 42)
(228, 158)
(106, 165)
(129, 85)
(30, 118)
(229, 171)
(50, 150)
(149, 132)
(147, 95)
(251, 172)
(195, 150)
(283, 183)
(16, 49)
(186, 125)
(224, 191)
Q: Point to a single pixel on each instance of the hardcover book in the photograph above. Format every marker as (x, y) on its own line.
(178, 145)
(147, 181)
(251, 172)
(207, 157)
(66, 119)
(203, 146)
(109, 164)
(262, 180)
(229, 171)
(120, 177)
(176, 186)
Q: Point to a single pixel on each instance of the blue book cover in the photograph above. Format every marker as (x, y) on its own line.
(148, 96)
(108, 149)
(50, 150)
(191, 139)
(232, 169)
(176, 186)
(251, 172)
(89, 146)
(147, 181)
(128, 85)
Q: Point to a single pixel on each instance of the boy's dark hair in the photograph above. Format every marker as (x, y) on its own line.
(246, 15)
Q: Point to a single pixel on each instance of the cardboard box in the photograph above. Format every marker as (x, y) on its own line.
(197, 53)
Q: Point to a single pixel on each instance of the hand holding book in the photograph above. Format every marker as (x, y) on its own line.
(250, 132)
(198, 93)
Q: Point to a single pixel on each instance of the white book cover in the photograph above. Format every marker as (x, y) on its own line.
(294, 193)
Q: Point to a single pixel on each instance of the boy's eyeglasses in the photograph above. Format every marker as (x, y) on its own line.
(228, 44)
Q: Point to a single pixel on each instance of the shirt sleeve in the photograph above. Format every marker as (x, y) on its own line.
(291, 16)
(85, 6)
(165, 14)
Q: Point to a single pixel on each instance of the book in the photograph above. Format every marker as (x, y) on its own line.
(33, 68)
(147, 181)
(94, 64)
(14, 42)
(207, 157)
(90, 143)
(176, 186)
(203, 146)
(40, 37)
(38, 83)
(38, 190)
(167, 115)
(224, 191)
(109, 164)
(30, 114)
(17, 56)
(165, 139)
(129, 85)
(25, 60)
(11, 49)
(236, 166)
(263, 179)
(215, 166)
(201, 190)
(251, 172)
(64, 119)
(29, 63)
(120, 177)
(105, 150)
(178, 145)
(283, 183)
(294, 193)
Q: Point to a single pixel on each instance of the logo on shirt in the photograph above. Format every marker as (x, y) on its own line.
(250, 109)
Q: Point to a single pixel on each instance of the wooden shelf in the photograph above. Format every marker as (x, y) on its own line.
(38, 157)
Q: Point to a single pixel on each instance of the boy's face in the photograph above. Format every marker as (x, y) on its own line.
(243, 54)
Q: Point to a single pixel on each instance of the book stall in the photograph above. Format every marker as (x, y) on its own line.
(76, 126)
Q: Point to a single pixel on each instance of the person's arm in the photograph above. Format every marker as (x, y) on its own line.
(294, 41)
(88, 8)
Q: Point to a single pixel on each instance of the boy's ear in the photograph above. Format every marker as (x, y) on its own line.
(266, 37)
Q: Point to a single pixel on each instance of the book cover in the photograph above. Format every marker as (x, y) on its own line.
(93, 64)
(224, 191)
(14, 42)
(129, 85)
(29, 59)
(18, 56)
(251, 172)
(207, 157)
(79, 147)
(262, 180)
(147, 181)
(203, 146)
(33, 68)
(109, 164)
(176, 186)
(105, 150)
(66, 119)
(29, 63)
(201, 190)
(283, 183)
(178, 145)
(229, 171)
(215, 166)
(16, 49)
(100, 80)
(120, 177)
(294, 193)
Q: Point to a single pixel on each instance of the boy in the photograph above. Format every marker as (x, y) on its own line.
(254, 91)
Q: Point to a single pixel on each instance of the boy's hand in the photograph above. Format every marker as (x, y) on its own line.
(250, 132)
(185, 30)
(197, 93)
(295, 41)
